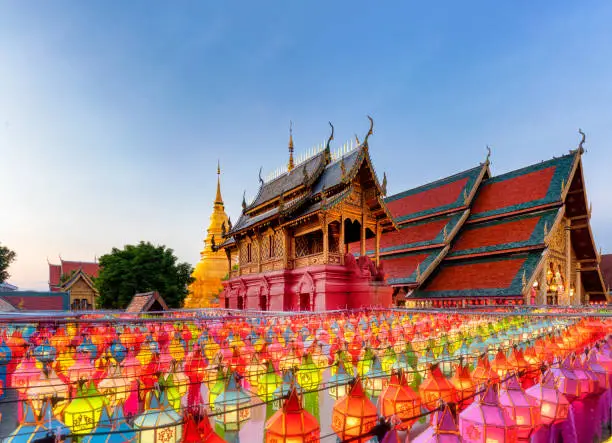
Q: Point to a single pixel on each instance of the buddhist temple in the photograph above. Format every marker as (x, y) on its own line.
(291, 240)
(75, 278)
(212, 267)
(322, 235)
(523, 237)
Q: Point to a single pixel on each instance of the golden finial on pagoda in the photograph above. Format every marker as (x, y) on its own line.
(290, 165)
(218, 199)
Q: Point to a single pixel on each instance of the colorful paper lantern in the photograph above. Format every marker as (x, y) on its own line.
(554, 406)
(523, 409)
(292, 424)
(159, 423)
(486, 421)
(399, 400)
(83, 412)
(436, 387)
(354, 415)
(232, 406)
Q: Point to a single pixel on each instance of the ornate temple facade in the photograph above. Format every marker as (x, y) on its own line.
(212, 267)
(292, 240)
(323, 236)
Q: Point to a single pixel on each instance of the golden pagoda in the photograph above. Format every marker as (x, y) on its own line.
(212, 266)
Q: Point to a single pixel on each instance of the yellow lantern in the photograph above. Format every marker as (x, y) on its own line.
(114, 387)
(83, 413)
(308, 375)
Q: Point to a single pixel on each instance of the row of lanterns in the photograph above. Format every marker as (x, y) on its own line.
(99, 373)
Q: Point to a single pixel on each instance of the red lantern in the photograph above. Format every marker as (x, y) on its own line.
(292, 424)
(354, 415)
(500, 364)
(398, 399)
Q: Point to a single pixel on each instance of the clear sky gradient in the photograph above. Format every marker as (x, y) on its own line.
(113, 114)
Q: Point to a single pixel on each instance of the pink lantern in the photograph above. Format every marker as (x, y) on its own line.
(589, 383)
(486, 421)
(567, 381)
(523, 409)
(554, 406)
(442, 429)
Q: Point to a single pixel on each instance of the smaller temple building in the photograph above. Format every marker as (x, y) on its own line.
(75, 278)
(212, 267)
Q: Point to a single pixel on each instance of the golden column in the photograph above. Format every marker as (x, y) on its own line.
(212, 266)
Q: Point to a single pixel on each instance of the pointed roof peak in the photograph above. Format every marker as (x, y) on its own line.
(218, 198)
(291, 164)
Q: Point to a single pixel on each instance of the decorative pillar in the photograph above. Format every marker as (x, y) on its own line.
(257, 243)
(568, 263)
(377, 246)
(362, 251)
(544, 284)
(578, 291)
(286, 248)
(325, 239)
(341, 246)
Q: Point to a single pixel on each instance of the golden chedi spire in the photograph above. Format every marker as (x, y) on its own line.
(212, 267)
(290, 165)
(218, 199)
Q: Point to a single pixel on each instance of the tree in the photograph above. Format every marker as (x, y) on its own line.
(141, 268)
(6, 258)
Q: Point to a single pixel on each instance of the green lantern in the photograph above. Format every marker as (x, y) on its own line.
(159, 423)
(233, 406)
(308, 375)
(267, 383)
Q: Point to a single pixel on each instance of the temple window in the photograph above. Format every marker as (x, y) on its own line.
(271, 246)
(309, 244)
(249, 253)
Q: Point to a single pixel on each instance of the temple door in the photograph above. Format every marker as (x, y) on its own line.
(240, 302)
(263, 303)
(304, 302)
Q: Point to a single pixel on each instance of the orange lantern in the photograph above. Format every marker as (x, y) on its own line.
(292, 424)
(483, 373)
(436, 387)
(354, 415)
(500, 364)
(464, 385)
(398, 399)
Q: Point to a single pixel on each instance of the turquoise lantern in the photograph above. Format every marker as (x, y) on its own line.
(232, 406)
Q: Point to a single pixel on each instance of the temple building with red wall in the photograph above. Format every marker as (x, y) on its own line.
(324, 236)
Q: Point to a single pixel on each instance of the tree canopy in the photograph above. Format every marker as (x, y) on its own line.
(6, 258)
(141, 268)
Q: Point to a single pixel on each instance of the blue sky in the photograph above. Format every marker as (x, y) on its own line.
(113, 113)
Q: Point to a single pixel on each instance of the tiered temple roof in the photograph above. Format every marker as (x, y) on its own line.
(471, 235)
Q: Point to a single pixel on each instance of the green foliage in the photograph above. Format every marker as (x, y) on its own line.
(6, 258)
(141, 268)
(65, 277)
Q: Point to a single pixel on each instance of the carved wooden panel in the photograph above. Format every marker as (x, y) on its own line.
(557, 242)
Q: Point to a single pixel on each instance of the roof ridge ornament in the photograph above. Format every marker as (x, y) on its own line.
(244, 205)
(370, 132)
(581, 145)
(384, 184)
(327, 150)
(488, 159)
(291, 164)
(261, 182)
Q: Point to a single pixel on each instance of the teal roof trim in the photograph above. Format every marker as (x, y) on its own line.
(514, 290)
(471, 174)
(423, 266)
(563, 168)
(547, 219)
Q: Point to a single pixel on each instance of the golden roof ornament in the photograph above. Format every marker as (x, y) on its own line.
(384, 184)
(357, 139)
(244, 205)
(327, 149)
(290, 165)
(581, 145)
(370, 132)
(342, 167)
(488, 159)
